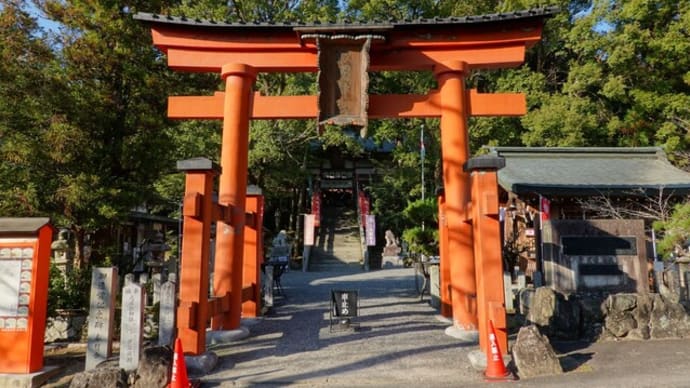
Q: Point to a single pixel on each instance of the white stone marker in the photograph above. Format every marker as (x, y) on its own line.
(157, 280)
(166, 320)
(131, 325)
(101, 316)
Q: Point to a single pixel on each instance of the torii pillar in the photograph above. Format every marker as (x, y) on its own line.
(232, 192)
(444, 283)
(455, 151)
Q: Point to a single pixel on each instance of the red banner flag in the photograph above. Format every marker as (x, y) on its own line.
(545, 208)
(316, 207)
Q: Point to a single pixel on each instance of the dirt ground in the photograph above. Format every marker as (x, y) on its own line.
(69, 360)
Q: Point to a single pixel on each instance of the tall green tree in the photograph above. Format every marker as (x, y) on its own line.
(99, 142)
(27, 84)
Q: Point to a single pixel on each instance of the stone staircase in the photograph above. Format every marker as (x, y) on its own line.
(337, 246)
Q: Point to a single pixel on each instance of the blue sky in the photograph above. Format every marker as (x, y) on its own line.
(46, 24)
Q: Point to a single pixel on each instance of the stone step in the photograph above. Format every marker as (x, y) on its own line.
(338, 243)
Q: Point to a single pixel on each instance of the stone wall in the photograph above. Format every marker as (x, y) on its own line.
(604, 317)
(67, 326)
(644, 316)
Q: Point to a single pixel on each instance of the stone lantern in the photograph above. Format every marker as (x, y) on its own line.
(62, 252)
(154, 251)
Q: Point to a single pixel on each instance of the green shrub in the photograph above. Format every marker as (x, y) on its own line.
(674, 232)
(422, 240)
(68, 292)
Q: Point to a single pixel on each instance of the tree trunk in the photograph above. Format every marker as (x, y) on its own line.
(80, 260)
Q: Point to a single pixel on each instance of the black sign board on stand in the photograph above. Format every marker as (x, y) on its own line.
(344, 306)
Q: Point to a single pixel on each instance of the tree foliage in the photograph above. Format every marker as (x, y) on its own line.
(93, 141)
(676, 232)
(26, 85)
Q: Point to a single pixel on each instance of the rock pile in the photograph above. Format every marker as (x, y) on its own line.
(644, 316)
(153, 371)
(615, 316)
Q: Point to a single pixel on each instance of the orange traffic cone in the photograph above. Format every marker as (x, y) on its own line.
(495, 369)
(179, 368)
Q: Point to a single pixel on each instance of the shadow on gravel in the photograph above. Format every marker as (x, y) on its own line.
(326, 372)
(571, 355)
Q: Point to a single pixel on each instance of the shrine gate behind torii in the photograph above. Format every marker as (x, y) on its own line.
(343, 53)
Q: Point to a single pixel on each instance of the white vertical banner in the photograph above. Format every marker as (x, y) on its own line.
(544, 208)
(371, 230)
(309, 229)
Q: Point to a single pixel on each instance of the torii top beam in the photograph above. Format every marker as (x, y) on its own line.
(487, 41)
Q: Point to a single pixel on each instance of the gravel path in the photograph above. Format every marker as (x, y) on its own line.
(400, 341)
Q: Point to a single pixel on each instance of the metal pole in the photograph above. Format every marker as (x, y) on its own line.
(422, 152)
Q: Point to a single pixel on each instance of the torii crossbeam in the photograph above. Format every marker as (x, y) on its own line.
(450, 47)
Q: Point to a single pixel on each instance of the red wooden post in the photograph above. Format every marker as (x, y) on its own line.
(455, 144)
(444, 266)
(227, 277)
(192, 313)
(253, 255)
(487, 251)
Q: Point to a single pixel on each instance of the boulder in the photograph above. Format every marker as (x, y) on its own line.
(668, 319)
(154, 368)
(591, 306)
(107, 377)
(643, 312)
(620, 323)
(556, 315)
(533, 355)
(621, 302)
(542, 307)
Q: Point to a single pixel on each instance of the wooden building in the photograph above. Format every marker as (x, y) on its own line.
(550, 228)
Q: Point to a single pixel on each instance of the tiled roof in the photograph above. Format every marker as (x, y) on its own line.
(22, 225)
(589, 171)
(340, 24)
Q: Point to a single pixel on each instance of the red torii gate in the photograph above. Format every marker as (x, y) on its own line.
(450, 47)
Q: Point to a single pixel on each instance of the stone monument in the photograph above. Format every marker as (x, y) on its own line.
(391, 252)
(280, 250)
(101, 315)
(131, 325)
(168, 299)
